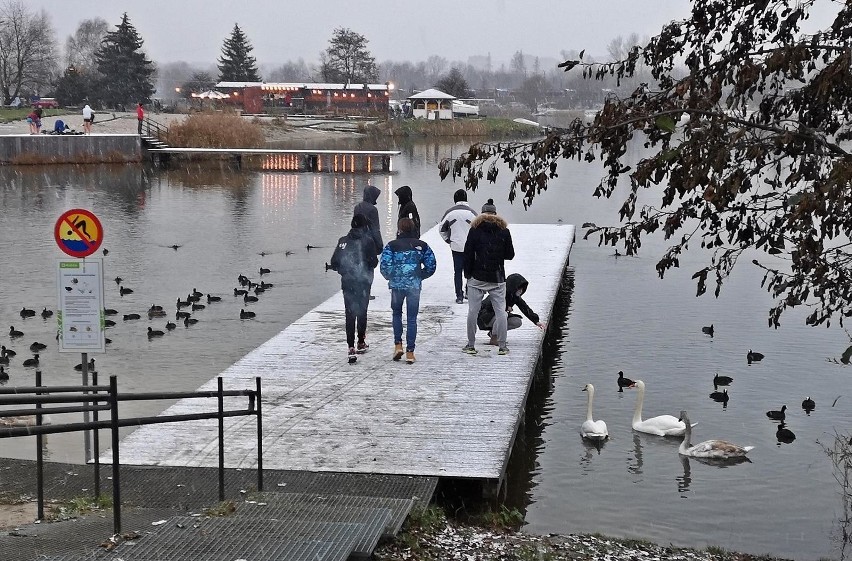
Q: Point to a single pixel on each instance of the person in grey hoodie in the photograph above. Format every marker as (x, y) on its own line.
(367, 208)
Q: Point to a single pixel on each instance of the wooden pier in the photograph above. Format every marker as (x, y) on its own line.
(335, 161)
(449, 415)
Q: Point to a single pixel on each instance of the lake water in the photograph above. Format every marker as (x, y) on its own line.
(614, 314)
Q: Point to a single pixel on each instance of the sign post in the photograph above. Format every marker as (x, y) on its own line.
(79, 234)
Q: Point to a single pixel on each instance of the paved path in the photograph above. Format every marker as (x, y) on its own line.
(448, 415)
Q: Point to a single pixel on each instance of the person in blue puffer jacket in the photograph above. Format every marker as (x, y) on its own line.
(405, 262)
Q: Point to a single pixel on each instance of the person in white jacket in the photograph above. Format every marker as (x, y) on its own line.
(454, 228)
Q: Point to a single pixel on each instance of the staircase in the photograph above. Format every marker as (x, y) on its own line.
(153, 134)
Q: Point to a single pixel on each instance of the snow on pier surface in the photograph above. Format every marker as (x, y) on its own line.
(448, 415)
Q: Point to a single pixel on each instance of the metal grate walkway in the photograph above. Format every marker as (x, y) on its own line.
(308, 516)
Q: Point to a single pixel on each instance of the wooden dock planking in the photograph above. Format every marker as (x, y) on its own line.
(448, 415)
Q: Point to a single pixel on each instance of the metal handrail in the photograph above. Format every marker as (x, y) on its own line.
(160, 130)
(38, 395)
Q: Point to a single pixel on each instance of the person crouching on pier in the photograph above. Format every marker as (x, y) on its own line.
(355, 258)
(405, 262)
(516, 287)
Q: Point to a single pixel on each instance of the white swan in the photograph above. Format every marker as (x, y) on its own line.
(663, 425)
(712, 449)
(591, 429)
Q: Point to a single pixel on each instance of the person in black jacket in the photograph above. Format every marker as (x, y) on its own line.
(367, 207)
(516, 287)
(355, 259)
(488, 245)
(407, 208)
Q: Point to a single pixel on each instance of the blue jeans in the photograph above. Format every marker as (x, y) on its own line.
(411, 296)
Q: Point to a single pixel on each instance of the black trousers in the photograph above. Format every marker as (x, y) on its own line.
(356, 298)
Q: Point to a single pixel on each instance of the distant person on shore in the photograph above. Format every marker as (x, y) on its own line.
(355, 258)
(516, 287)
(34, 120)
(140, 116)
(367, 207)
(454, 228)
(407, 208)
(88, 117)
(405, 262)
(489, 244)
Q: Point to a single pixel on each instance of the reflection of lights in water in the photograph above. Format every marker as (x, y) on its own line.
(279, 191)
(390, 221)
(316, 193)
(343, 187)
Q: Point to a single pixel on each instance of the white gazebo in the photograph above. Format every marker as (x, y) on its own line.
(432, 104)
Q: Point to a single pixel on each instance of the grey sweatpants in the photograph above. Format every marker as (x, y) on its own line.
(476, 291)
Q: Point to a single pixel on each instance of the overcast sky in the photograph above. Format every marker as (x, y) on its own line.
(194, 30)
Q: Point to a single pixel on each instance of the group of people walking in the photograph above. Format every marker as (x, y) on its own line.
(480, 244)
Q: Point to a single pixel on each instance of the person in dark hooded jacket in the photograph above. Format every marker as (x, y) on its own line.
(488, 245)
(516, 287)
(367, 207)
(407, 208)
(355, 259)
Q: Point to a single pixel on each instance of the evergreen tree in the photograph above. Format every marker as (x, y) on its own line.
(75, 86)
(126, 73)
(236, 63)
(454, 83)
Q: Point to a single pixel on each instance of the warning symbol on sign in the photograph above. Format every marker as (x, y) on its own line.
(78, 233)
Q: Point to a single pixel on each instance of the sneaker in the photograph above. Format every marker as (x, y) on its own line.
(503, 351)
(362, 347)
(460, 300)
(397, 351)
(409, 357)
(469, 349)
(352, 356)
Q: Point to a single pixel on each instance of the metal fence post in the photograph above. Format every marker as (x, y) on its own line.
(116, 487)
(39, 455)
(221, 401)
(259, 413)
(96, 441)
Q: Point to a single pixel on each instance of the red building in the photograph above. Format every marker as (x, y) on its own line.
(310, 98)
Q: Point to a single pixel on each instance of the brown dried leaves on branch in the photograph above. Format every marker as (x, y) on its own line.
(746, 149)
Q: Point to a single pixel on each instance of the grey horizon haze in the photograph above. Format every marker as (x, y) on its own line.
(193, 31)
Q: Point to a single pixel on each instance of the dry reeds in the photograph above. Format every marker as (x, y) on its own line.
(215, 130)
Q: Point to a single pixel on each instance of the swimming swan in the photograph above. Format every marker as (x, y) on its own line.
(663, 425)
(593, 430)
(713, 449)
